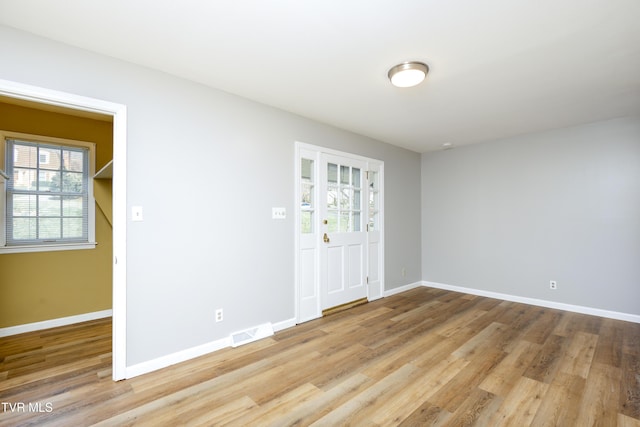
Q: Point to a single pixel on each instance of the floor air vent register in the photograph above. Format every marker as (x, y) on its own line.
(252, 334)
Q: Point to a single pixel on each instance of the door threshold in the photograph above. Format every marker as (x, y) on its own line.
(345, 306)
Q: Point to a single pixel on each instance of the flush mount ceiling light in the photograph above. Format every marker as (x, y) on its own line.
(408, 74)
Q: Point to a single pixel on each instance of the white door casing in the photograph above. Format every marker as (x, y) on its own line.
(119, 113)
(334, 196)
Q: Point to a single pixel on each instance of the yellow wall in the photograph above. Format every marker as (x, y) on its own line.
(49, 285)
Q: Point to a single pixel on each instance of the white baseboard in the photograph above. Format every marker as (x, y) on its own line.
(191, 353)
(177, 357)
(401, 289)
(285, 324)
(538, 302)
(54, 323)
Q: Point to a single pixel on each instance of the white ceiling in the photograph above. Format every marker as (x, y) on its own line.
(498, 67)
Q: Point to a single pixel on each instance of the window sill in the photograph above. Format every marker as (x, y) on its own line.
(46, 248)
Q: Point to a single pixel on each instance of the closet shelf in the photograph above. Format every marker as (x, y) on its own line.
(106, 172)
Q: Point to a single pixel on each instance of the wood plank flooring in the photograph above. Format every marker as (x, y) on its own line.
(424, 357)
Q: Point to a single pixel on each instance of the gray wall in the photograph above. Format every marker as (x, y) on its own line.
(207, 167)
(508, 216)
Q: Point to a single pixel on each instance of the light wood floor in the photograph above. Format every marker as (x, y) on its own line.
(424, 357)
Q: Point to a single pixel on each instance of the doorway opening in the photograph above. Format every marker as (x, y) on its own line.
(51, 100)
(339, 251)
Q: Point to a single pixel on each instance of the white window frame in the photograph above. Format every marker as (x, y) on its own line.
(46, 247)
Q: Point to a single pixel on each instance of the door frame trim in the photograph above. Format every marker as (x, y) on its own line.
(70, 101)
(318, 150)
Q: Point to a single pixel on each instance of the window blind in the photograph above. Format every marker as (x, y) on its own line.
(47, 195)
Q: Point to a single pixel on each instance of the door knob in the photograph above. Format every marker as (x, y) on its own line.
(326, 238)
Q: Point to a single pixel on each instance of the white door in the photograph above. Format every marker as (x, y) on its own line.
(340, 239)
(344, 237)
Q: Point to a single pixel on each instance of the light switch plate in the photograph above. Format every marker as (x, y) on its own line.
(278, 213)
(136, 213)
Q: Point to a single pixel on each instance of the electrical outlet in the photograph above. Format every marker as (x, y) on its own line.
(219, 315)
(403, 272)
(553, 284)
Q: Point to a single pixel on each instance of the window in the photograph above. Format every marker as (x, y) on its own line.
(344, 195)
(47, 202)
(307, 189)
(374, 202)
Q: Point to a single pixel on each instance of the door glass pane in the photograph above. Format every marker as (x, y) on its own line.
(332, 221)
(356, 221)
(373, 180)
(306, 170)
(356, 177)
(373, 222)
(332, 173)
(345, 198)
(345, 225)
(344, 175)
(306, 225)
(306, 196)
(356, 200)
(374, 207)
(332, 198)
